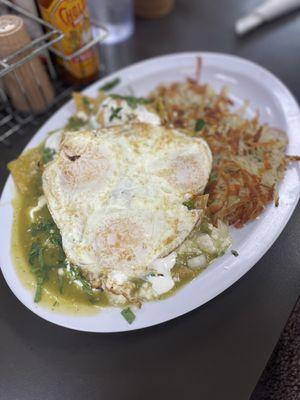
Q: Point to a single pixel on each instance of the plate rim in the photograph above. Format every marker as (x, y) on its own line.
(213, 56)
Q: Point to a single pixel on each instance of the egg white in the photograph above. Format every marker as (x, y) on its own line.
(116, 195)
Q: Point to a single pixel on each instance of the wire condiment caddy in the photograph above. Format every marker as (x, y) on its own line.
(12, 121)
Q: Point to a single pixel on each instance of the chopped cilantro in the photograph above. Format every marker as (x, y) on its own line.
(61, 283)
(34, 252)
(55, 237)
(38, 290)
(86, 102)
(45, 234)
(75, 123)
(200, 123)
(39, 227)
(213, 176)
(38, 267)
(128, 315)
(78, 276)
(46, 237)
(93, 300)
(189, 204)
(206, 227)
(48, 227)
(115, 113)
(48, 154)
(235, 253)
(110, 85)
(132, 101)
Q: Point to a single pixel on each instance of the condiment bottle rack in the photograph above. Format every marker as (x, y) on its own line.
(12, 121)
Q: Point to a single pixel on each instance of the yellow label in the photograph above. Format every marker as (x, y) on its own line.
(73, 19)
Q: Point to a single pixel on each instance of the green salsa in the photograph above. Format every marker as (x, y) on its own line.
(61, 292)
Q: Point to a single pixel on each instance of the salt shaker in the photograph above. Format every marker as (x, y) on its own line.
(28, 87)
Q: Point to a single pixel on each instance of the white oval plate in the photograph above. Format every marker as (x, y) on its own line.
(245, 80)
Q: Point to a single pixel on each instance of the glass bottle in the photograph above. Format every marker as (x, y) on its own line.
(72, 17)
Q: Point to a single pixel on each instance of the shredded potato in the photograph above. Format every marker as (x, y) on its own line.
(248, 157)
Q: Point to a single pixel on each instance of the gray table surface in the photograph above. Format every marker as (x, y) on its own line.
(215, 352)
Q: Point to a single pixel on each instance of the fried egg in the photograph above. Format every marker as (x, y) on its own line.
(117, 194)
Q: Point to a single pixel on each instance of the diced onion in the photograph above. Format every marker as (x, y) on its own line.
(197, 262)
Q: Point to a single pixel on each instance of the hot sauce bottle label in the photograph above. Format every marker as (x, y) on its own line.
(73, 19)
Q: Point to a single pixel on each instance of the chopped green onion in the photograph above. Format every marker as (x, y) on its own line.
(200, 123)
(128, 315)
(235, 253)
(110, 85)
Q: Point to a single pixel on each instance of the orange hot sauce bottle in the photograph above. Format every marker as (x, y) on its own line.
(72, 17)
